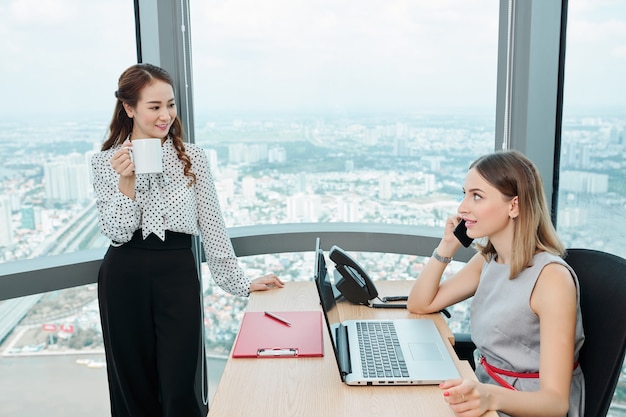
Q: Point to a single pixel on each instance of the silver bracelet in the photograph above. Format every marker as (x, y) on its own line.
(442, 259)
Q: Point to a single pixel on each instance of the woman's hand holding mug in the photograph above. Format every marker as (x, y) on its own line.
(122, 162)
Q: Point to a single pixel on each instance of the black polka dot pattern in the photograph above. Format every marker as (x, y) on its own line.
(165, 202)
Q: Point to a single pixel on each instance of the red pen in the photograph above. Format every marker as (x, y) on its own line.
(280, 319)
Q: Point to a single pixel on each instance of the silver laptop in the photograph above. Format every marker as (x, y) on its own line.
(382, 352)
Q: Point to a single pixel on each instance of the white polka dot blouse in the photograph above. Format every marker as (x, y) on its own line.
(166, 202)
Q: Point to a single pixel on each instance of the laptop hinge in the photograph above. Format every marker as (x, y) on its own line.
(343, 350)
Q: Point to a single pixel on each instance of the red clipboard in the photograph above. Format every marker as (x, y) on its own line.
(262, 336)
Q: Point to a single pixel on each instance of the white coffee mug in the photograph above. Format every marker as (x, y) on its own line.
(147, 155)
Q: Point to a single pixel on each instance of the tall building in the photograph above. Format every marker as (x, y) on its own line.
(277, 155)
(248, 188)
(371, 136)
(303, 207)
(384, 188)
(28, 217)
(401, 147)
(236, 153)
(67, 179)
(212, 156)
(6, 231)
(348, 211)
(247, 153)
(584, 182)
(225, 190)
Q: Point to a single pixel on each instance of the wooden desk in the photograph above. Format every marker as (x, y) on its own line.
(281, 387)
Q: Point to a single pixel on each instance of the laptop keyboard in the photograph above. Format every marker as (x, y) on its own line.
(381, 355)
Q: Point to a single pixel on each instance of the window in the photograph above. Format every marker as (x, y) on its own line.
(592, 191)
(339, 112)
(343, 112)
(60, 64)
(61, 60)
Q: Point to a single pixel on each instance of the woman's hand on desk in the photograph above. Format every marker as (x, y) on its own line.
(466, 397)
(266, 282)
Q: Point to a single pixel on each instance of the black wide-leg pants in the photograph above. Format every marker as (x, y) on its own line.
(150, 309)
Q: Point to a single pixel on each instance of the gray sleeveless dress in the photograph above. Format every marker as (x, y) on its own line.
(506, 330)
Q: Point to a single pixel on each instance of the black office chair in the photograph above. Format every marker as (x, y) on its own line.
(602, 278)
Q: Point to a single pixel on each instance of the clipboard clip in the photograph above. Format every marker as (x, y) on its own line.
(277, 352)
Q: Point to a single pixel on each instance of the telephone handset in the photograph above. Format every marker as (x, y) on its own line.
(354, 284)
(350, 278)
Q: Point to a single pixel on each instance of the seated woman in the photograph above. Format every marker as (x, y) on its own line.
(525, 314)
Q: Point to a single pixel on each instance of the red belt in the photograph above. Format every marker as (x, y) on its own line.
(496, 372)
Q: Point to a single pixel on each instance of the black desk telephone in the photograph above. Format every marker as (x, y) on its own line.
(355, 285)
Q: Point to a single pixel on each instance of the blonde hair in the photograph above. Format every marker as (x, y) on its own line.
(513, 174)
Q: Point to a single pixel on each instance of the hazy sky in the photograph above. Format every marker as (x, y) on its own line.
(63, 57)
(342, 55)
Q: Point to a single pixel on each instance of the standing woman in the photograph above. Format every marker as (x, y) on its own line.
(525, 314)
(148, 286)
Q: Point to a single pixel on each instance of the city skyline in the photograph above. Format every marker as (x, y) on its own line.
(397, 172)
(280, 95)
(317, 170)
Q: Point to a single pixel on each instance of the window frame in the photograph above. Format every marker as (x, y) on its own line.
(529, 32)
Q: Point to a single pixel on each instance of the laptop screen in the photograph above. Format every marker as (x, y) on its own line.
(325, 287)
(327, 297)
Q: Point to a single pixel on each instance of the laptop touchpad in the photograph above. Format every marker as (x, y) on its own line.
(425, 351)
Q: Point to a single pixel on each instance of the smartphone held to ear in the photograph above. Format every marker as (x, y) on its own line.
(460, 231)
